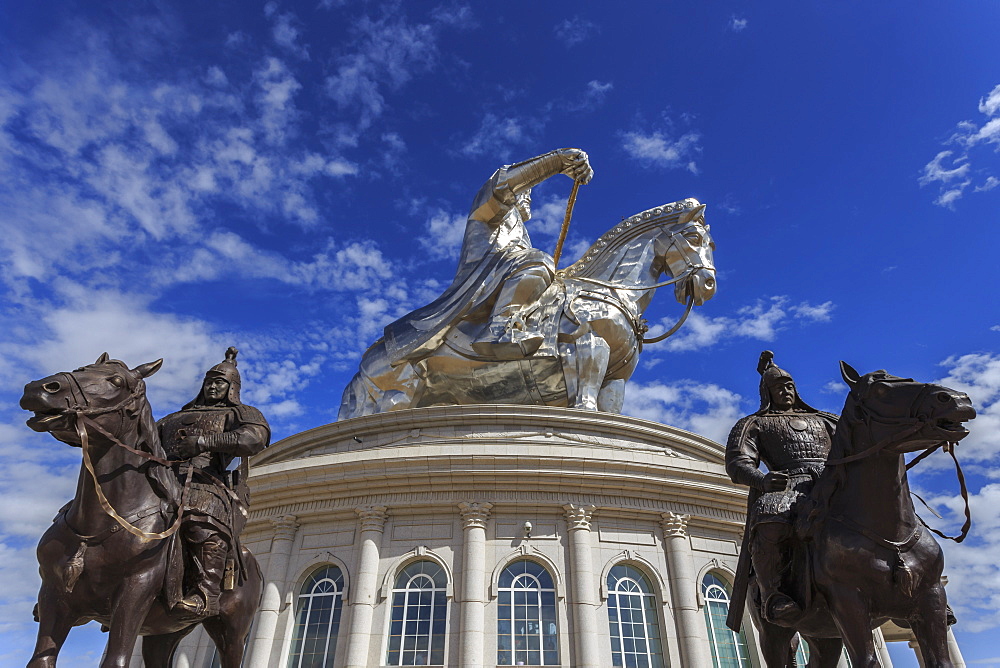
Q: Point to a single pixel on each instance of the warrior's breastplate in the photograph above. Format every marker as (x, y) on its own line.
(193, 420)
(788, 441)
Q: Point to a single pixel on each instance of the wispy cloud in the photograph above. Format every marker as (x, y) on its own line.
(761, 320)
(660, 148)
(952, 170)
(706, 409)
(575, 31)
(593, 96)
(737, 23)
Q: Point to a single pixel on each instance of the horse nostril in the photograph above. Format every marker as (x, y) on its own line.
(943, 397)
(710, 283)
(52, 387)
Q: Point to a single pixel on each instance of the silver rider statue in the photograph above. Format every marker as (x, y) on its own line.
(497, 259)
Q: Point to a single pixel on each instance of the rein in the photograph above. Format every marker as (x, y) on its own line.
(918, 423)
(686, 275)
(83, 412)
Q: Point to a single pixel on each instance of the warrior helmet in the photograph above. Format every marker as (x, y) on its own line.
(770, 375)
(226, 370)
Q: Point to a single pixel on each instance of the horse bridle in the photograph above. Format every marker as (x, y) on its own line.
(83, 411)
(917, 422)
(685, 249)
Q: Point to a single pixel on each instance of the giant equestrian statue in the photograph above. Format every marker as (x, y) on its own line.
(512, 328)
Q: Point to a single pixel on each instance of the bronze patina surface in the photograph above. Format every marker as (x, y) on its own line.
(115, 553)
(833, 547)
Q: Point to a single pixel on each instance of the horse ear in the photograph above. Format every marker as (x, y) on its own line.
(850, 376)
(149, 368)
(693, 214)
(103, 359)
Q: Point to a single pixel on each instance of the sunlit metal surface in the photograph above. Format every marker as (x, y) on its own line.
(509, 330)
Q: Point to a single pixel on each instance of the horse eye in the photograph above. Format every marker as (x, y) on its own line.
(117, 381)
(943, 397)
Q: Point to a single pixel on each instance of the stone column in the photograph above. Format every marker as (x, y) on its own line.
(274, 585)
(472, 637)
(880, 649)
(584, 586)
(691, 629)
(954, 653)
(365, 587)
(916, 651)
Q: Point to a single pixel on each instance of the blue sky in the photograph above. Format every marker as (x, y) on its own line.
(288, 177)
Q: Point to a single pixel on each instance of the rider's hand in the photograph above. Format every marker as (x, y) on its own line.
(775, 481)
(576, 165)
(188, 445)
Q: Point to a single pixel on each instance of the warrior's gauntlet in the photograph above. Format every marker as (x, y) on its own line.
(528, 174)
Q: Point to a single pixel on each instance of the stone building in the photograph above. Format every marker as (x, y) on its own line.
(494, 535)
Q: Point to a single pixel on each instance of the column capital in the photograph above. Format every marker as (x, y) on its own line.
(675, 524)
(579, 517)
(285, 526)
(474, 514)
(372, 517)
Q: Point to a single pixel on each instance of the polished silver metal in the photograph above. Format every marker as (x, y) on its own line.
(510, 329)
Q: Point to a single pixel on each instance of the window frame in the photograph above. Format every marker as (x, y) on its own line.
(649, 605)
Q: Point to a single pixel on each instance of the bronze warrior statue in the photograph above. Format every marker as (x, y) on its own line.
(792, 440)
(214, 429)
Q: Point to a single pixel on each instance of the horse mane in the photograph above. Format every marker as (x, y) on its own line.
(626, 230)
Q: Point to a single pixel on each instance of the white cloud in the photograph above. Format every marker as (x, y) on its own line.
(989, 184)
(954, 178)
(278, 113)
(705, 409)
(443, 234)
(575, 31)
(990, 105)
(496, 136)
(661, 150)
(737, 24)
(593, 96)
(761, 320)
(286, 35)
(935, 171)
(385, 55)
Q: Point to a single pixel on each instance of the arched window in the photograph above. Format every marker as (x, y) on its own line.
(635, 626)
(419, 616)
(729, 650)
(526, 616)
(317, 619)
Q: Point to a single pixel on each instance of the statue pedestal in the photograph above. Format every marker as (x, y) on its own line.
(456, 484)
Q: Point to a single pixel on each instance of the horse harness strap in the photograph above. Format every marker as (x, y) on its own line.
(81, 423)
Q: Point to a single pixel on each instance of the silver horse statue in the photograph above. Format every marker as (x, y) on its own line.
(586, 324)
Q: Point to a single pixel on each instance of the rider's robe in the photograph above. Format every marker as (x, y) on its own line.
(496, 244)
(212, 498)
(797, 443)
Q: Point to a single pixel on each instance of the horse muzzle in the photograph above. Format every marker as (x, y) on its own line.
(701, 284)
(48, 399)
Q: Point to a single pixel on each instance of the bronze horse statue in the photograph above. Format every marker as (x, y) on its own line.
(106, 555)
(590, 318)
(866, 557)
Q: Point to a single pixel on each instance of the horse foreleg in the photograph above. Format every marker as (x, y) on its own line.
(850, 612)
(136, 596)
(54, 623)
(776, 645)
(930, 626)
(824, 652)
(228, 640)
(612, 396)
(592, 356)
(158, 651)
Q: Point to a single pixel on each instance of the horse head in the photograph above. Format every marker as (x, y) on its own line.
(689, 249)
(901, 415)
(106, 392)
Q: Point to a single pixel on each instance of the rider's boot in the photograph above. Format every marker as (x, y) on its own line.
(211, 558)
(770, 560)
(506, 337)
